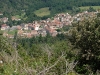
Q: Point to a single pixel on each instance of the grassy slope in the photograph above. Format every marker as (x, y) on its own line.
(42, 12)
(87, 7)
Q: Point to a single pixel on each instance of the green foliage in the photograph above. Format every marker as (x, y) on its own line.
(64, 28)
(85, 36)
(34, 56)
(91, 9)
(17, 7)
(75, 10)
(87, 7)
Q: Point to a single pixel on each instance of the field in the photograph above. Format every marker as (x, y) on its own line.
(42, 12)
(87, 7)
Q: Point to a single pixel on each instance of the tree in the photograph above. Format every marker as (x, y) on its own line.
(91, 9)
(75, 9)
(85, 35)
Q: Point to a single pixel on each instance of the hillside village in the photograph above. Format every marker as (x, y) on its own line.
(43, 26)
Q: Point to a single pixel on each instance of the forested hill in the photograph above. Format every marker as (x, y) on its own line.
(55, 5)
(28, 7)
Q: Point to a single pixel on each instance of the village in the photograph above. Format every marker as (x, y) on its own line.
(43, 26)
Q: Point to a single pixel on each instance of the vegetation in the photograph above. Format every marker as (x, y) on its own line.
(12, 7)
(74, 53)
(85, 37)
(42, 12)
(87, 7)
(12, 32)
(32, 56)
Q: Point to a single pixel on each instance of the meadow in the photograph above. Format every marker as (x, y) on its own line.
(87, 7)
(42, 12)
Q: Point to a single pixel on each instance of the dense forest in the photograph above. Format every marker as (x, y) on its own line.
(13, 7)
(31, 5)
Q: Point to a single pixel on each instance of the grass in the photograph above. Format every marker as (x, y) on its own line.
(42, 12)
(12, 32)
(17, 16)
(1, 32)
(20, 16)
(87, 7)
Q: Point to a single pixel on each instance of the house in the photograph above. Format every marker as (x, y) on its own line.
(34, 32)
(20, 32)
(52, 32)
(19, 27)
(28, 35)
(42, 32)
(26, 27)
(36, 26)
(5, 19)
(30, 26)
(4, 27)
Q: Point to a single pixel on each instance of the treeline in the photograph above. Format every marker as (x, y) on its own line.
(12, 7)
(48, 39)
(55, 5)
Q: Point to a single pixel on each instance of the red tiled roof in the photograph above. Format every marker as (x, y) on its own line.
(4, 25)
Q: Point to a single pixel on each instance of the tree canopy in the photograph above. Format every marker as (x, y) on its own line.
(86, 37)
(12, 7)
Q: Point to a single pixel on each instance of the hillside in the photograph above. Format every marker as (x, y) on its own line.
(32, 8)
(73, 50)
(42, 12)
(13, 6)
(87, 7)
(75, 53)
